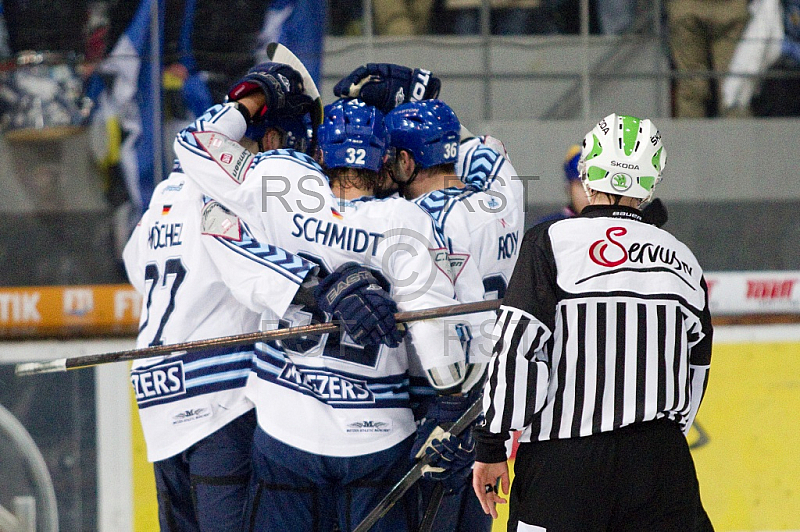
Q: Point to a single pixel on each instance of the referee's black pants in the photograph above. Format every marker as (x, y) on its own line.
(638, 478)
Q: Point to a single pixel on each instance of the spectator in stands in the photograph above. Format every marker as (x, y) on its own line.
(615, 16)
(702, 35)
(508, 17)
(402, 17)
(779, 96)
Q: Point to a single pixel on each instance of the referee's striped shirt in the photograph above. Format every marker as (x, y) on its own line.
(605, 323)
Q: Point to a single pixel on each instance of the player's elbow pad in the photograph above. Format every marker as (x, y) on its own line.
(447, 379)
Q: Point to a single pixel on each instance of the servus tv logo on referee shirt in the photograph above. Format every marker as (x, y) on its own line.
(612, 252)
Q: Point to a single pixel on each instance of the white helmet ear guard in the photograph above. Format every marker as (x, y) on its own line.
(623, 155)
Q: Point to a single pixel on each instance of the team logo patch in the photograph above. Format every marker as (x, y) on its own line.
(219, 221)
(457, 263)
(234, 159)
(442, 261)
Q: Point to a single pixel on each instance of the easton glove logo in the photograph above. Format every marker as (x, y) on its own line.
(597, 251)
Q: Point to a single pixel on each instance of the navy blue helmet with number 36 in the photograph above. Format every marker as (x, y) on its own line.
(429, 129)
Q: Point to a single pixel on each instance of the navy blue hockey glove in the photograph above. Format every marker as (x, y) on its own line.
(451, 457)
(282, 86)
(386, 85)
(353, 297)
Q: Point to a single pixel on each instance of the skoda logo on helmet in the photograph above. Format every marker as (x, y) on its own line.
(621, 182)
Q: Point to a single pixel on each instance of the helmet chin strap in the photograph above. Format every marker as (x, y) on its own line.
(402, 186)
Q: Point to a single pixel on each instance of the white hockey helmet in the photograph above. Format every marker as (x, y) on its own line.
(622, 155)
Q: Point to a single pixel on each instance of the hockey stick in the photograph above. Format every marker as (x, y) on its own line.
(64, 364)
(281, 54)
(432, 509)
(415, 473)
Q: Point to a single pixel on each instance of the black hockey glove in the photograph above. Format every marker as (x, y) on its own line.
(282, 86)
(451, 457)
(386, 85)
(353, 296)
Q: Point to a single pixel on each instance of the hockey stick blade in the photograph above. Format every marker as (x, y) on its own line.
(415, 473)
(64, 364)
(281, 54)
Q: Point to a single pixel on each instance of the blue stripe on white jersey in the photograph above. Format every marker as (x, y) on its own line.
(439, 203)
(192, 374)
(337, 389)
(481, 166)
(290, 266)
(292, 155)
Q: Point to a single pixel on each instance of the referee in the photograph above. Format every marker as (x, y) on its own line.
(602, 354)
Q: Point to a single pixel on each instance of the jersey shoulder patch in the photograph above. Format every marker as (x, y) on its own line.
(219, 221)
(232, 157)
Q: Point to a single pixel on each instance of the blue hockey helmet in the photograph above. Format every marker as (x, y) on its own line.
(429, 129)
(296, 130)
(352, 135)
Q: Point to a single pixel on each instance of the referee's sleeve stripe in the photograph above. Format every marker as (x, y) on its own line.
(560, 371)
(495, 370)
(515, 395)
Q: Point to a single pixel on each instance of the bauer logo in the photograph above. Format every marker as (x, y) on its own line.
(325, 386)
(158, 382)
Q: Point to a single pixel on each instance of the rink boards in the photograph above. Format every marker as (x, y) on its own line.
(746, 453)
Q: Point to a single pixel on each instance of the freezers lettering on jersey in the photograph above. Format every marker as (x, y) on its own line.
(158, 382)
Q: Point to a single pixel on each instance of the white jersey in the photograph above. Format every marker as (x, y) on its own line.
(183, 257)
(482, 224)
(326, 395)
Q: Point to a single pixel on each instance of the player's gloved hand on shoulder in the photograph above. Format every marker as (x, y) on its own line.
(353, 296)
(386, 85)
(282, 87)
(451, 457)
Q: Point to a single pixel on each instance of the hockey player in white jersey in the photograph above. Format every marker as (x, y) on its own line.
(197, 423)
(202, 275)
(335, 427)
(478, 211)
